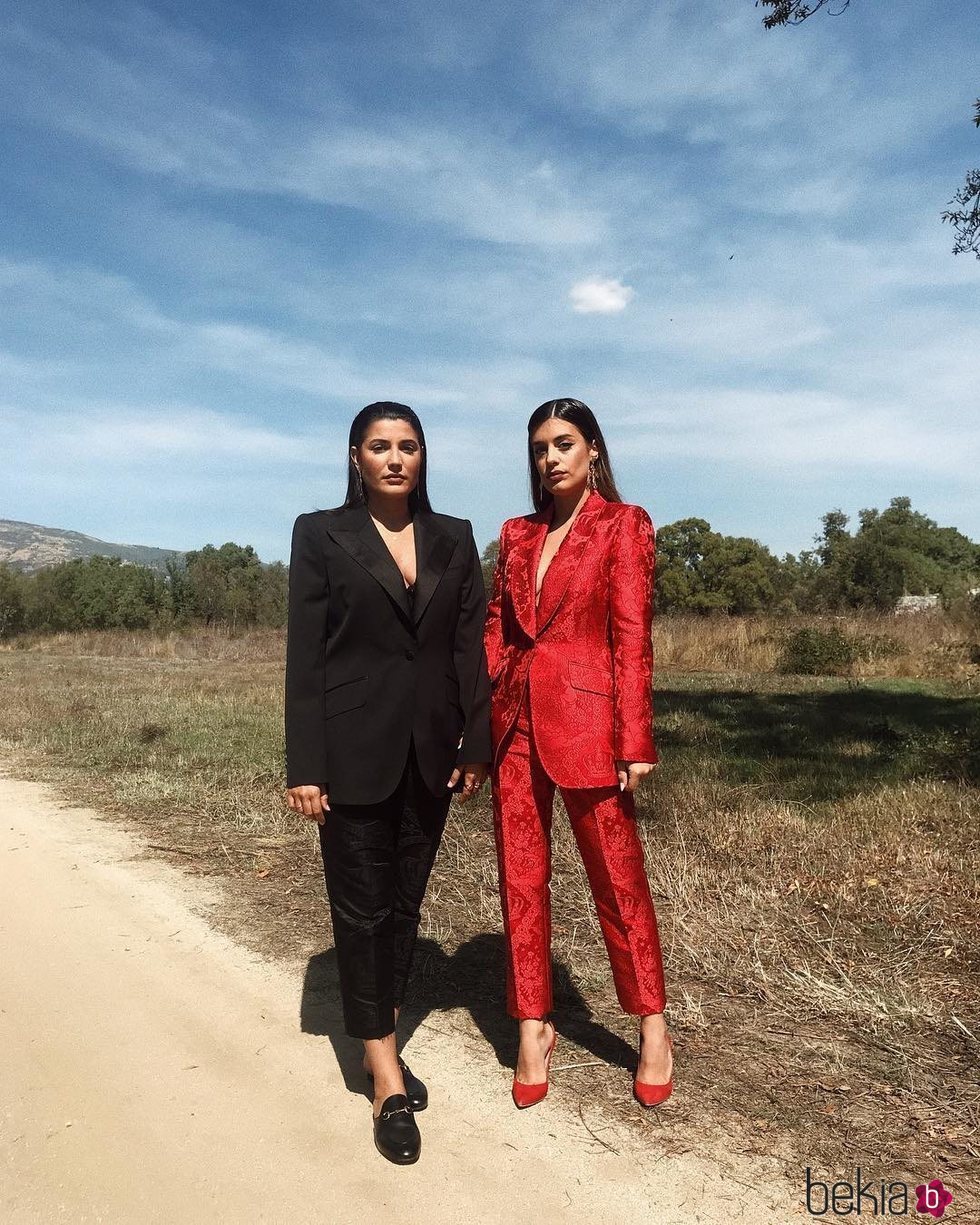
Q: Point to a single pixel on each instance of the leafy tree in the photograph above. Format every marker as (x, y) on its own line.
(178, 590)
(894, 552)
(272, 595)
(230, 584)
(12, 616)
(831, 581)
(207, 581)
(488, 561)
(965, 218)
(699, 570)
(795, 581)
(681, 549)
(94, 593)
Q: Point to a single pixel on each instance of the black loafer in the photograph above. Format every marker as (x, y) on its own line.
(396, 1134)
(415, 1090)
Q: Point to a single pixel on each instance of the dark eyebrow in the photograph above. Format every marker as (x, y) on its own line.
(558, 438)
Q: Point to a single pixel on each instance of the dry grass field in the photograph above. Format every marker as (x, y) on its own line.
(811, 843)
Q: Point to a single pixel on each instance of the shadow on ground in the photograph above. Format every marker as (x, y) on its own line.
(472, 978)
(820, 744)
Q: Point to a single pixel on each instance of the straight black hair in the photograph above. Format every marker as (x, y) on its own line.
(582, 417)
(385, 410)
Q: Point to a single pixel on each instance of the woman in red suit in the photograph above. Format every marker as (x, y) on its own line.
(569, 650)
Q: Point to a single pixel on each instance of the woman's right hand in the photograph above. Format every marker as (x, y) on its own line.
(310, 802)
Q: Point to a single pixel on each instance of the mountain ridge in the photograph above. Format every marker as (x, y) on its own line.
(32, 546)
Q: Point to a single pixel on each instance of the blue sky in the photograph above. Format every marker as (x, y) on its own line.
(226, 227)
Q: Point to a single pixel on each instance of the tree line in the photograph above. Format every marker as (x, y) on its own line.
(894, 552)
(890, 553)
(227, 586)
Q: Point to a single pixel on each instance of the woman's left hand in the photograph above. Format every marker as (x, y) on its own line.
(474, 777)
(631, 773)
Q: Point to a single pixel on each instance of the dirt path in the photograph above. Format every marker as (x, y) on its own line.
(152, 1070)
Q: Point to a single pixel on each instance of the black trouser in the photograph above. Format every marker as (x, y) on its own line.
(376, 860)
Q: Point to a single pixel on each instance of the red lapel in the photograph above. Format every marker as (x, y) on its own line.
(521, 572)
(568, 560)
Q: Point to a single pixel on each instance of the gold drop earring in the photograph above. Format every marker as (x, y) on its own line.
(592, 475)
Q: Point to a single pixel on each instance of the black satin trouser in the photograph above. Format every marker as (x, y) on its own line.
(376, 860)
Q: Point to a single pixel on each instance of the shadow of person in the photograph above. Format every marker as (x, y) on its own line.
(321, 1013)
(472, 978)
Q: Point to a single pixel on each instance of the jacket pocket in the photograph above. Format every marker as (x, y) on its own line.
(347, 695)
(590, 679)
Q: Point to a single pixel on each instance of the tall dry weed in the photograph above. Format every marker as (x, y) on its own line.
(925, 645)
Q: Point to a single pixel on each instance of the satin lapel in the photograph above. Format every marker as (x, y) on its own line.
(568, 560)
(521, 573)
(434, 549)
(355, 532)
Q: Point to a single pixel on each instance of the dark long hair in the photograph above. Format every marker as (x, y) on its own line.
(385, 410)
(583, 418)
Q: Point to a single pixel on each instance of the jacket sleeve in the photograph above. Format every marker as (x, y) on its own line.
(494, 636)
(631, 626)
(470, 660)
(306, 638)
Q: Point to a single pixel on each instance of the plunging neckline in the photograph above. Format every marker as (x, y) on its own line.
(554, 557)
(409, 587)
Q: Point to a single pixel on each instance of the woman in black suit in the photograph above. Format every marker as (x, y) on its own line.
(387, 711)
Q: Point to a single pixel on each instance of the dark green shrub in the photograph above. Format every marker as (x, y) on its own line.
(817, 652)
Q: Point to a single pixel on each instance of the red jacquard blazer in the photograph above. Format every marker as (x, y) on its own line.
(585, 653)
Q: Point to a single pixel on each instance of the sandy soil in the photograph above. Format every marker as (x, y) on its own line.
(152, 1070)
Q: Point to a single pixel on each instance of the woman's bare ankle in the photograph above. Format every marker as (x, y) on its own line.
(536, 1034)
(656, 1058)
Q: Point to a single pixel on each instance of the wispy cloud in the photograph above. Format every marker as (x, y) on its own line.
(758, 428)
(145, 434)
(458, 176)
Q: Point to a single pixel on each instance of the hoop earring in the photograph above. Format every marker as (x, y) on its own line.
(592, 485)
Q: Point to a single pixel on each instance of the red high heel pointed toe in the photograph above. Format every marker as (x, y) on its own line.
(653, 1095)
(530, 1095)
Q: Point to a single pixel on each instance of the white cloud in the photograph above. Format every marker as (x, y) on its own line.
(598, 296)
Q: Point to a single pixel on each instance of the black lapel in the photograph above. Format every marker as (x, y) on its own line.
(433, 550)
(355, 532)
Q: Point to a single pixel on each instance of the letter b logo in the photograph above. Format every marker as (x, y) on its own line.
(814, 1190)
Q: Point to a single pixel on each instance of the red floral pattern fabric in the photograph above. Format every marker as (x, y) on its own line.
(603, 822)
(585, 652)
(576, 667)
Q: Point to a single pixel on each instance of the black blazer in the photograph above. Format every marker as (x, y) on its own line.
(365, 673)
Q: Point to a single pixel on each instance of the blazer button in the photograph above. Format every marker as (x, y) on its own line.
(409, 654)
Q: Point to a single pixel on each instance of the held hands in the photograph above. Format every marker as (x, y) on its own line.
(310, 802)
(474, 776)
(631, 773)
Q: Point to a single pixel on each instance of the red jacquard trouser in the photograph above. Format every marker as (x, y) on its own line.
(603, 822)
